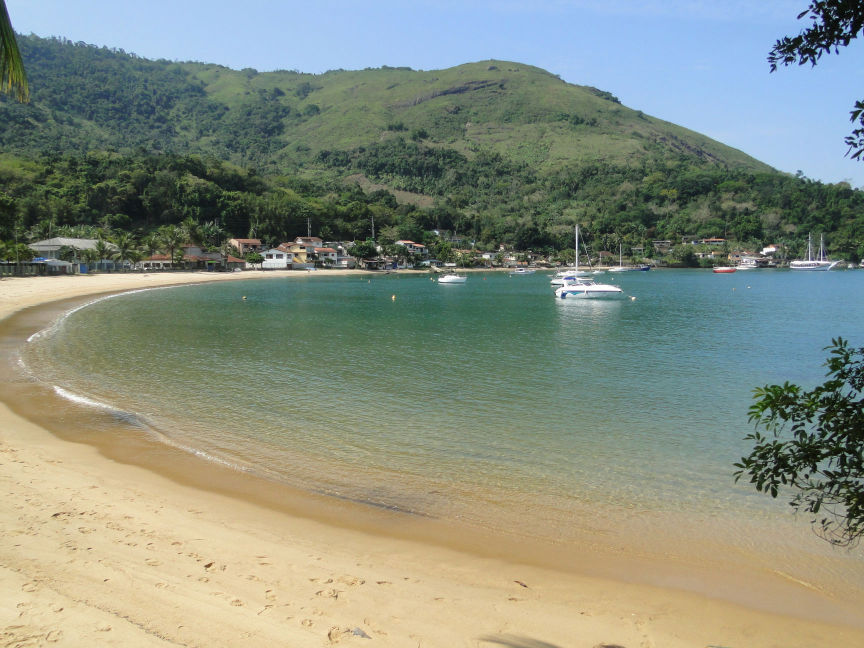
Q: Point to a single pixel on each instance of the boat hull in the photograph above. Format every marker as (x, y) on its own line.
(812, 266)
(452, 279)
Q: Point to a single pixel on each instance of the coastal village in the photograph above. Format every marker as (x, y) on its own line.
(64, 255)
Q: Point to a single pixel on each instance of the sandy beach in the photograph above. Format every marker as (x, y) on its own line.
(98, 551)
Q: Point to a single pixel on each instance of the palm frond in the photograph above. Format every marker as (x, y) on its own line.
(12, 75)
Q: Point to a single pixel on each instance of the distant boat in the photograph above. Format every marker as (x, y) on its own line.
(621, 267)
(819, 262)
(522, 271)
(582, 288)
(724, 269)
(747, 263)
(452, 278)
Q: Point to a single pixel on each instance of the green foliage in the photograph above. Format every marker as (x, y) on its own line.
(364, 250)
(813, 445)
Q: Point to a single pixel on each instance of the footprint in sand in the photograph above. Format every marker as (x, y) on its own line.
(351, 580)
(328, 593)
(152, 562)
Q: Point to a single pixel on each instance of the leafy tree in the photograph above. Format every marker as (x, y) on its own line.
(12, 75)
(834, 24)
(364, 250)
(254, 258)
(814, 445)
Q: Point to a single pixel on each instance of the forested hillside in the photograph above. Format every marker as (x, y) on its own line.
(493, 152)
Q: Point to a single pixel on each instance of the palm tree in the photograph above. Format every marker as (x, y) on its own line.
(172, 238)
(12, 76)
(125, 243)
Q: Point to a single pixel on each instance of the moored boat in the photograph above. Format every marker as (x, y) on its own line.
(724, 269)
(582, 288)
(819, 262)
(452, 278)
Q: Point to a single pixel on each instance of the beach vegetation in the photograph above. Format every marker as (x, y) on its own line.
(809, 445)
(255, 259)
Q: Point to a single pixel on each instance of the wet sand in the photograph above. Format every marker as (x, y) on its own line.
(118, 544)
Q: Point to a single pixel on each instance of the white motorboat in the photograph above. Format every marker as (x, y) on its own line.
(522, 271)
(820, 262)
(582, 288)
(452, 278)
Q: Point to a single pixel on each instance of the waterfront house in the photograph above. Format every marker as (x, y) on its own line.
(245, 246)
(413, 248)
(276, 259)
(328, 256)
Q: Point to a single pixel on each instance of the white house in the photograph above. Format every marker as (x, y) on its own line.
(276, 259)
(412, 247)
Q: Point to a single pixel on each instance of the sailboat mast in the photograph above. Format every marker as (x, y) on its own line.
(576, 234)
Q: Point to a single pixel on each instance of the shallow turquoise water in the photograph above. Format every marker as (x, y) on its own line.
(490, 402)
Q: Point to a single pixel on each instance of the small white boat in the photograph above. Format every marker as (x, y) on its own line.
(522, 271)
(819, 262)
(582, 288)
(452, 278)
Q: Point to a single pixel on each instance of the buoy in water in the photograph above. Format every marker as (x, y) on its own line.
(393, 297)
(244, 297)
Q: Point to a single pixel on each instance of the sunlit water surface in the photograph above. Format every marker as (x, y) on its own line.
(489, 402)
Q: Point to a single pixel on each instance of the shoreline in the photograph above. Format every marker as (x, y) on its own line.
(89, 530)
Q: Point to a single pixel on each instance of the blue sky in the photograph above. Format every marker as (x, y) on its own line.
(698, 63)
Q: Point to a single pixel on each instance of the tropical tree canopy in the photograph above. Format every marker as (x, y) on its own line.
(814, 446)
(13, 79)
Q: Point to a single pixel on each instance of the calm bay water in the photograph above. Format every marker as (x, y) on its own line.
(489, 402)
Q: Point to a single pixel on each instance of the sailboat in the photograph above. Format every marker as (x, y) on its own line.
(581, 287)
(570, 273)
(811, 263)
(622, 268)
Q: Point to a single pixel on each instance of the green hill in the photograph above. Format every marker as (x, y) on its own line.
(85, 97)
(494, 152)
